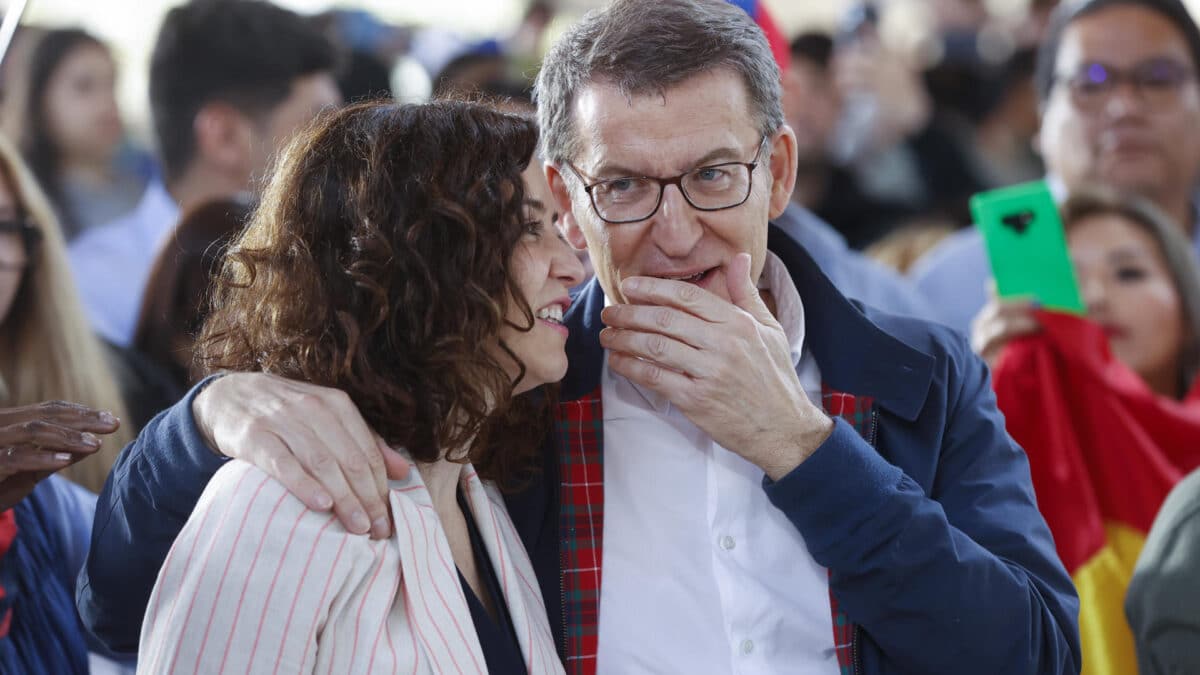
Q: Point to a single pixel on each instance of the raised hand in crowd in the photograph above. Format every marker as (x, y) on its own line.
(999, 322)
(38, 440)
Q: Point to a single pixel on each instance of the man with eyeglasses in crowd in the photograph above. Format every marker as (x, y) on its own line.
(748, 472)
(1120, 108)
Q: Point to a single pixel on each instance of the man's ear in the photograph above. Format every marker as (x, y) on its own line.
(562, 199)
(224, 137)
(783, 169)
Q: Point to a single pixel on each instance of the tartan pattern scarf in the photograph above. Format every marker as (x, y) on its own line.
(579, 430)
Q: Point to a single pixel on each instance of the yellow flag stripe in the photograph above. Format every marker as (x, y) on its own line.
(1102, 581)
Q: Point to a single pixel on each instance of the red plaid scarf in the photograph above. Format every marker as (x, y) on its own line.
(579, 426)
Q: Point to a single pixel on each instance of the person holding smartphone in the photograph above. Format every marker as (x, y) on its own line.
(1106, 405)
(1138, 281)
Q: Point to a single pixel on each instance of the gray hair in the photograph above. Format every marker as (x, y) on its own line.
(645, 47)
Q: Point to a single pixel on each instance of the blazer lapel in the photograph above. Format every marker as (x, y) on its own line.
(515, 573)
(432, 593)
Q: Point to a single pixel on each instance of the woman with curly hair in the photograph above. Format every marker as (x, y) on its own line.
(399, 256)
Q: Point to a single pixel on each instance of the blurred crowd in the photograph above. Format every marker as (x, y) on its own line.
(108, 250)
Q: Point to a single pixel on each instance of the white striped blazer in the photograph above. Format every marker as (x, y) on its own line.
(257, 583)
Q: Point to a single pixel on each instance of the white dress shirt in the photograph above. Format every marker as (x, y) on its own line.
(258, 583)
(112, 263)
(701, 574)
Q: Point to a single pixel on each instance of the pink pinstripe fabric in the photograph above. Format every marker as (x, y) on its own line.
(263, 585)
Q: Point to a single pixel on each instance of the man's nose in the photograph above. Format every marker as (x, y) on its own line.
(676, 228)
(1125, 99)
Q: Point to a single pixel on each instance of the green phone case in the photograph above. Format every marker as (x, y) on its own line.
(1026, 245)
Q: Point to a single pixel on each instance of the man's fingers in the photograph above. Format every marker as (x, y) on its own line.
(743, 291)
(366, 473)
(323, 466)
(659, 349)
(282, 465)
(663, 320)
(319, 428)
(355, 428)
(362, 469)
(49, 435)
(397, 466)
(661, 380)
(679, 294)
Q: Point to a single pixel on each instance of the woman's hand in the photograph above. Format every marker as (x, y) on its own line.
(999, 322)
(37, 440)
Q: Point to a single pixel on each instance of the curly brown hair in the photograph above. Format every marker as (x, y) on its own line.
(379, 263)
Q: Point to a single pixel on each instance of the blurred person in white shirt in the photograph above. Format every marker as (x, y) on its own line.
(230, 82)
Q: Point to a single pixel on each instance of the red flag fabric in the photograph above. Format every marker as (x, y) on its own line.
(8, 532)
(1104, 451)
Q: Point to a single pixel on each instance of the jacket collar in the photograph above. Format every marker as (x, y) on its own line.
(854, 355)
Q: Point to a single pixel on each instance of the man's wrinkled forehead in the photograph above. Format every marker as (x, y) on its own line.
(1121, 34)
(665, 132)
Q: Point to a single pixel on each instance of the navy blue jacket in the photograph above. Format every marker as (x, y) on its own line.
(932, 536)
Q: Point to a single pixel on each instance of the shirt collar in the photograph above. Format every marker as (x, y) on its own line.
(789, 312)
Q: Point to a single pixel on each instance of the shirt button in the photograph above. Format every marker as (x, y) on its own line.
(747, 646)
(727, 543)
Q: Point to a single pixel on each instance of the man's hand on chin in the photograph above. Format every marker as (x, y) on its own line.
(726, 365)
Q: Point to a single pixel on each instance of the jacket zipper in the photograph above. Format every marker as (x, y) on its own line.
(873, 431)
(855, 664)
(855, 655)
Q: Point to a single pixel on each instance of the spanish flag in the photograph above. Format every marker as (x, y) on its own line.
(1104, 451)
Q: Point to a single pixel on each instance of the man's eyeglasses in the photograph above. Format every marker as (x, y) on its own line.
(714, 187)
(1157, 81)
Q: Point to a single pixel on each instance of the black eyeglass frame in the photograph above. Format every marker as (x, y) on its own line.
(1076, 81)
(677, 181)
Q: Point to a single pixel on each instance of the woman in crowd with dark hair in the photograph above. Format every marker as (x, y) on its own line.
(1140, 282)
(399, 255)
(72, 135)
(177, 294)
(1107, 407)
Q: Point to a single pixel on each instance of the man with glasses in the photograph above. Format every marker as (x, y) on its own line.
(1120, 108)
(712, 187)
(747, 472)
